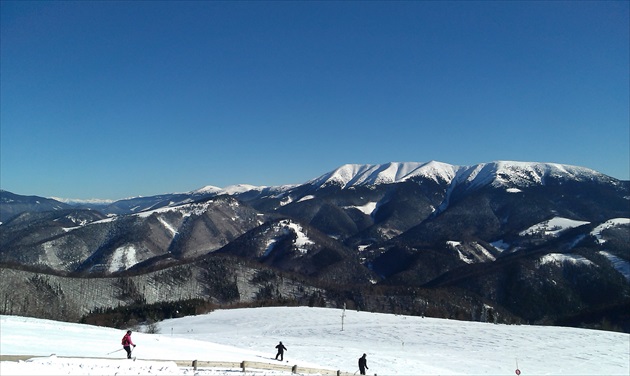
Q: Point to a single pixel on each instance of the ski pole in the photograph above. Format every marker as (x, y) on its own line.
(113, 351)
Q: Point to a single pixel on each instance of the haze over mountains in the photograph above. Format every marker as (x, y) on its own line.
(521, 240)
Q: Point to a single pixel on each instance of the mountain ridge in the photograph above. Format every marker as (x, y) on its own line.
(462, 237)
(352, 175)
(475, 175)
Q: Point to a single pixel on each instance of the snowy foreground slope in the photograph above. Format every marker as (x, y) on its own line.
(395, 345)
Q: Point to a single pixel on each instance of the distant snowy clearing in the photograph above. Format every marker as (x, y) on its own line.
(553, 227)
(615, 222)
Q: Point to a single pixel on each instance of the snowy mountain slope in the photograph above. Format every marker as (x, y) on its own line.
(552, 227)
(395, 172)
(508, 174)
(355, 174)
(609, 224)
(118, 243)
(318, 337)
(240, 189)
(620, 264)
(12, 204)
(287, 245)
(512, 174)
(556, 226)
(455, 180)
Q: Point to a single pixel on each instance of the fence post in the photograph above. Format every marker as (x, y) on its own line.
(338, 373)
(194, 364)
(294, 369)
(243, 365)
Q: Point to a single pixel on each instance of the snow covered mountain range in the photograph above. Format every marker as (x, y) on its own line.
(508, 174)
(504, 173)
(550, 234)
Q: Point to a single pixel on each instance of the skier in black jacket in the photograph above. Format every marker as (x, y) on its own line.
(362, 364)
(281, 349)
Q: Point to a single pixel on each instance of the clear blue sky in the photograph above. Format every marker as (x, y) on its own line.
(117, 99)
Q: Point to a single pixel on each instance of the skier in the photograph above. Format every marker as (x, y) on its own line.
(281, 350)
(362, 364)
(127, 343)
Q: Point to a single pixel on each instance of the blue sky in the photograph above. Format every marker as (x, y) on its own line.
(117, 99)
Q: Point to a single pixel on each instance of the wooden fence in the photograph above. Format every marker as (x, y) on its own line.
(243, 366)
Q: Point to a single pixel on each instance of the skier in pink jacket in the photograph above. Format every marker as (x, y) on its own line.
(127, 343)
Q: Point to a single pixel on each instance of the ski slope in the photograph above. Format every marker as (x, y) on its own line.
(394, 344)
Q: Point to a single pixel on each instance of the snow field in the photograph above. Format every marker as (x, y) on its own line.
(394, 344)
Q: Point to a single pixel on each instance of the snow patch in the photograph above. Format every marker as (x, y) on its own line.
(288, 227)
(286, 201)
(482, 250)
(269, 247)
(621, 265)
(477, 254)
(186, 210)
(168, 226)
(500, 245)
(367, 209)
(552, 227)
(597, 231)
(302, 239)
(123, 258)
(561, 258)
(306, 198)
(456, 245)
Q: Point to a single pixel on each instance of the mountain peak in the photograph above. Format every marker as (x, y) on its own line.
(524, 174)
(497, 173)
(366, 174)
